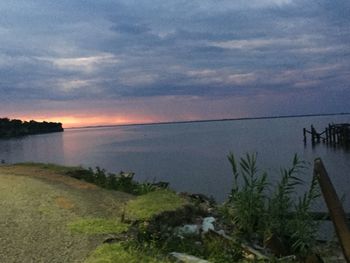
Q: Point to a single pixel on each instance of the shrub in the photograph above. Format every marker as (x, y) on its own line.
(122, 182)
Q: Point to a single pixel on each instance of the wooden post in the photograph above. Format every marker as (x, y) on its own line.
(338, 135)
(333, 135)
(341, 135)
(335, 207)
(313, 134)
(304, 132)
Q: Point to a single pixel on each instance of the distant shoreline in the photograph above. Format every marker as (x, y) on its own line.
(11, 128)
(211, 120)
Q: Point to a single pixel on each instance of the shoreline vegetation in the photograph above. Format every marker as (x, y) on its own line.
(108, 217)
(10, 128)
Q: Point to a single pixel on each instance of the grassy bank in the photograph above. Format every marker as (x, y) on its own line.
(50, 213)
(47, 216)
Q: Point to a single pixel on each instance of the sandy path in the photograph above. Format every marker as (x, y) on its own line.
(35, 207)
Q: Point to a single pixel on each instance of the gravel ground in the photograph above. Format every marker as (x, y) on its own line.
(37, 204)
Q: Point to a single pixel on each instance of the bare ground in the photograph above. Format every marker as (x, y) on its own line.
(37, 204)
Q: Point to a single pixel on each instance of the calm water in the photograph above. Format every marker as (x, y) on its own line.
(191, 156)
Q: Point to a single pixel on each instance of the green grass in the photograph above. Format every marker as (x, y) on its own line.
(93, 226)
(148, 205)
(117, 253)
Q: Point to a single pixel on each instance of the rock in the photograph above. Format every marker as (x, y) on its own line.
(208, 224)
(184, 215)
(203, 202)
(184, 258)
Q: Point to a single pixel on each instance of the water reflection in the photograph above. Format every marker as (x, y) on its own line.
(192, 156)
(34, 148)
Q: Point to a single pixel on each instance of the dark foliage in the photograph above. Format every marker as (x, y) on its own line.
(14, 128)
(121, 182)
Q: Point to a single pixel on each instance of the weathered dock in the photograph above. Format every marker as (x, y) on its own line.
(334, 134)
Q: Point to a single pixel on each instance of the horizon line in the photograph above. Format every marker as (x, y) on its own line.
(209, 120)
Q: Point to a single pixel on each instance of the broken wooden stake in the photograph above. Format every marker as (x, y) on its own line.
(335, 207)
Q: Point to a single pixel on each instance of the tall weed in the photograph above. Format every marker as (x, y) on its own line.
(259, 209)
(247, 199)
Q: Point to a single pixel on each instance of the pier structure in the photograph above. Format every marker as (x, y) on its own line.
(334, 134)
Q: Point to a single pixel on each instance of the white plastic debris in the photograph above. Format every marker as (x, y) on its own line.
(208, 224)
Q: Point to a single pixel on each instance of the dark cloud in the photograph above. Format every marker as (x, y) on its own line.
(71, 50)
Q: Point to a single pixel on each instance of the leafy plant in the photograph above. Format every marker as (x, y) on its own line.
(302, 227)
(282, 200)
(259, 210)
(121, 182)
(221, 251)
(247, 200)
(145, 188)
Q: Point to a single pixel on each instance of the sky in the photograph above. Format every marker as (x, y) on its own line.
(88, 62)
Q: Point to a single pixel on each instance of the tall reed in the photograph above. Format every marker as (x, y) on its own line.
(259, 209)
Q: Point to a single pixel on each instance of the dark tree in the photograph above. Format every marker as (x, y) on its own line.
(14, 128)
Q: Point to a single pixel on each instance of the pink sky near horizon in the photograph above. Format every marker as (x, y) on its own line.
(134, 111)
(166, 109)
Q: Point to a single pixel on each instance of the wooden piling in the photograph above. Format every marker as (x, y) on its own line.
(334, 134)
(335, 207)
(313, 134)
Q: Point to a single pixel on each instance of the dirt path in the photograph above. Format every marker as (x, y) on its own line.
(37, 204)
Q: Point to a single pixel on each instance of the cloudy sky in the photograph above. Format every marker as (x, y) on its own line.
(88, 62)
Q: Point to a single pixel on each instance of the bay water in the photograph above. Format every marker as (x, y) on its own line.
(192, 157)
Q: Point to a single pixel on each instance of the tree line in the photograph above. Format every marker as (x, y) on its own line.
(14, 128)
